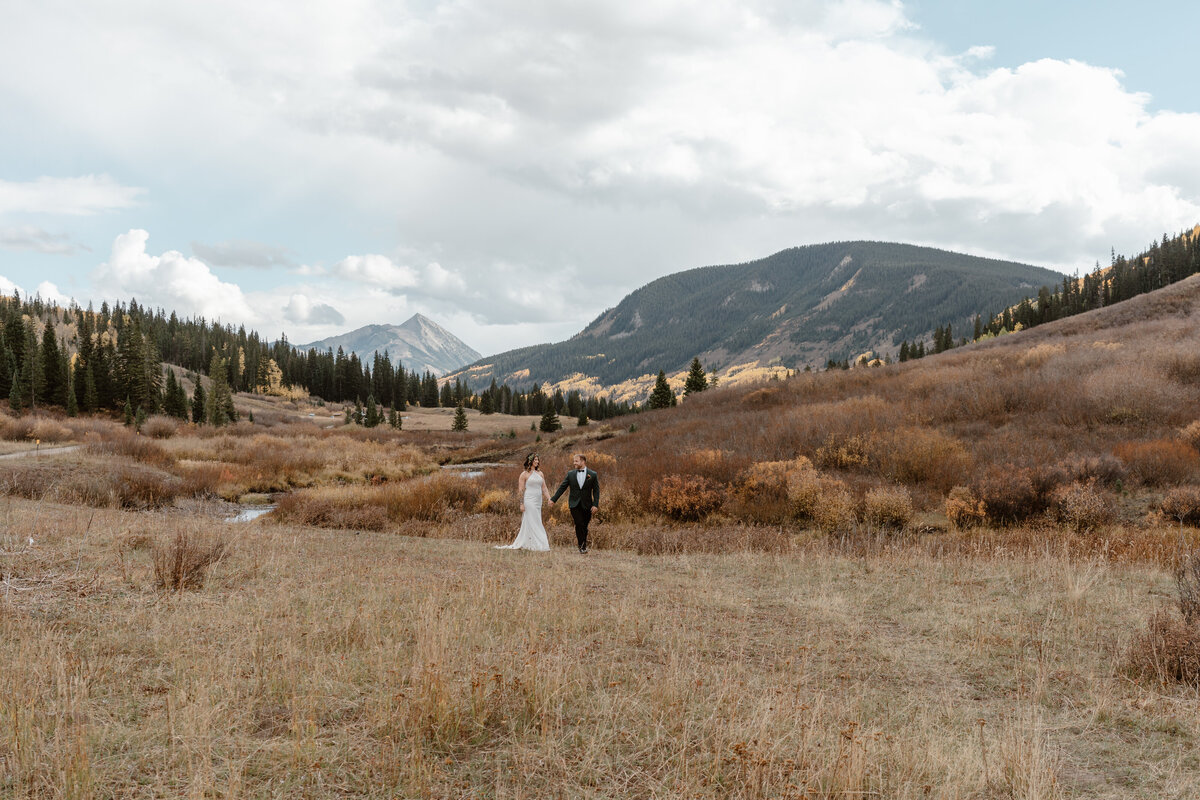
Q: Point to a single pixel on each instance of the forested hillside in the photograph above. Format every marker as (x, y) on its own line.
(798, 307)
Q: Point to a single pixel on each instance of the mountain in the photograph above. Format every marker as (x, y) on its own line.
(796, 308)
(420, 344)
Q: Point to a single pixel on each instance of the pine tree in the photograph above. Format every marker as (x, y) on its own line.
(90, 398)
(904, 351)
(662, 396)
(54, 392)
(199, 402)
(550, 422)
(72, 403)
(696, 382)
(583, 418)
(371, 419)
(14, 394)
(220, 399)
(460, 418)
(128, 412)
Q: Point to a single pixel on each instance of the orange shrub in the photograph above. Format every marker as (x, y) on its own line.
(760, 495)
(888, 507)
(685, 497)
(125, 442)
(496, 501)
(1159, 461)
(964, 509)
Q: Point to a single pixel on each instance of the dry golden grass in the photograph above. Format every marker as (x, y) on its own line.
(319, 664)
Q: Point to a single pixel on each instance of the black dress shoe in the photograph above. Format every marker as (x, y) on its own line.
(583, 549)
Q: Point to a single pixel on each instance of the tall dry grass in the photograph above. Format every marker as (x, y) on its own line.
(316, 664)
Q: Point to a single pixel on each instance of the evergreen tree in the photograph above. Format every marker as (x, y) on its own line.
(90, 398)
(33, 376)
(662, 396)
(54, 392)
(371, 419)
(139, 419)
(72, 403)
(583, 418)
(14, 394)
(696, 382)
(904, 351)
(199, 402)
(550, 422)
(460, 418)
(220, 400)
(128, 412)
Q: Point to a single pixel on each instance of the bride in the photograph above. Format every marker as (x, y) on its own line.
(532, 488)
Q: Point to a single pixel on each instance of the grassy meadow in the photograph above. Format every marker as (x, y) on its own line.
(951, 578)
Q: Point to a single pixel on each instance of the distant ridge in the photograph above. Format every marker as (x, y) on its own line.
(419, 343)
(793, 309)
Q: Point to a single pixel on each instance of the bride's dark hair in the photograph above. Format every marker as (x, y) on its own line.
(529, 460)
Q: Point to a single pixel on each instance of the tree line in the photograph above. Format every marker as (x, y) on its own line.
(1165, 262)
(112, 360)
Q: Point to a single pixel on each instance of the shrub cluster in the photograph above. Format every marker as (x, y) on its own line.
(687, 498)
(1159, 461)
(184, 562)
(1169, 648)
(821, 500)
(1182, 505)
(1082, 506)
(888, 507)
(1191, 434)
(964, 508)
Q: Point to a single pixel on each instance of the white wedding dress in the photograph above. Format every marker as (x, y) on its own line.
(532, 535)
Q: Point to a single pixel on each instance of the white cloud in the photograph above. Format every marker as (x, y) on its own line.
(86, 194)
(172, 280)
(51, 293)
(376, 270)
(7, 287)
(515, 150)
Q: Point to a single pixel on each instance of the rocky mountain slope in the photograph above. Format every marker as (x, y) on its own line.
(419, 343)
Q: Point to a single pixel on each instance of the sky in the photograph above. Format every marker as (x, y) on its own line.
(512, 169)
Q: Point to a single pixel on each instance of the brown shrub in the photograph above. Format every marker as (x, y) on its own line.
(923, 455)
(826, 502)
(1187, 582)
(160, 427)
(687, 498)
(600, 461)
(835, 512)
(31, 427)
(124, 442)
(1191, 434)
(428, 499)
(964, 508)
(888, 507)
(1159, 461)
(845, 452)
(346, 507)
(1082, 506)
(763, 398)
(1008, 494)
(184, 562)
(619, 504)
(1182, 505)
(761, 493)
(1183, 367)
(101, 483)
(1168, 650)
(1105, 468)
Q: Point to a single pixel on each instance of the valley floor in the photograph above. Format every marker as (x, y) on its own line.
(321, 663)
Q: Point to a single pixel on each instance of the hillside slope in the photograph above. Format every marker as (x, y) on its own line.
(795, 308)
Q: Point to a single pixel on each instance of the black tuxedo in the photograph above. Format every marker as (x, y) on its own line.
(582, 500)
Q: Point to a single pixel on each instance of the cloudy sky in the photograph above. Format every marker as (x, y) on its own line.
(511, 169)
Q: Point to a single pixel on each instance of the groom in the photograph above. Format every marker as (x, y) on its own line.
(584, 497)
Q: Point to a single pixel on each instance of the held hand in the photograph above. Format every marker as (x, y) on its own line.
(522, 508)
(594, 509)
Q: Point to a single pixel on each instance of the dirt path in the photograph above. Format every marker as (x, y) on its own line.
(43, 451)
